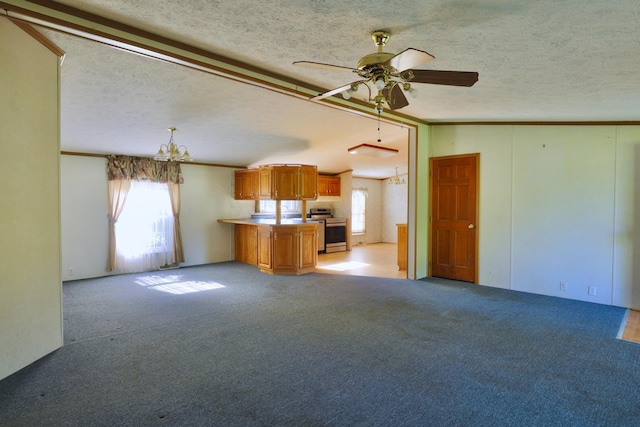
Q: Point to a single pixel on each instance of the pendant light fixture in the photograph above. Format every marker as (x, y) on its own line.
(171, 152)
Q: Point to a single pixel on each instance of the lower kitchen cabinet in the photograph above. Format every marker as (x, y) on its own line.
(278, 249)
(295, 249)
(264, 248)
(246, 241)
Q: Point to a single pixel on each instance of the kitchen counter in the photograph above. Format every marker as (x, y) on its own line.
(267, 221)
(287, 247)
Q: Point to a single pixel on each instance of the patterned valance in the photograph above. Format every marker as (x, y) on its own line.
(143, 169)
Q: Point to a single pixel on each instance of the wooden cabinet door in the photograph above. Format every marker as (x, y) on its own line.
(239, 242)
(285, 182)
(308, 246)
(250, 246)
(265, 189)
(239, 183)
(246, 185)
(333, 186)
(308, 183)
(323, 185)
(265, 249)
(285, 249)
(252, 184)
(328, 185)
(246, 243)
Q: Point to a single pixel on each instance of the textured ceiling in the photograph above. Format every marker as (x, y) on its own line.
(575, 60)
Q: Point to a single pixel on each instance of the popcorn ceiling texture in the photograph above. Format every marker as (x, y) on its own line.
(574, 60)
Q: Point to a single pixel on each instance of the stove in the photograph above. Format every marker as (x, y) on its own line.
(332, 232)
(320, 215)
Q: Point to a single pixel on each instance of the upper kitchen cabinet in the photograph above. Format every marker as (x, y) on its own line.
(264, 182)
(247, 185)
(277, 182)
(294, 182)
(328, 186)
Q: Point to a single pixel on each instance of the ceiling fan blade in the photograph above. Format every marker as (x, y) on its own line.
(451, 78)
(325, 66)
(331, 92)
(395, 97)
(409, 58)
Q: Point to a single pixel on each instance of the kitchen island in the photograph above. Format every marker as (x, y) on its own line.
(285, 246)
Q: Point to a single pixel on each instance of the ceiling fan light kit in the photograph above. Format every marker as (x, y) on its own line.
(171, 152)
(391, 74)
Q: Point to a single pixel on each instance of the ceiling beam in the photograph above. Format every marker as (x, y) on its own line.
(71, 20)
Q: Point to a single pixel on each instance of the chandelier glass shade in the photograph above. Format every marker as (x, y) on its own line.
(396, 179)
(172, 152)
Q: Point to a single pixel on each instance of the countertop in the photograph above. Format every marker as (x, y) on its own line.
(267, 221)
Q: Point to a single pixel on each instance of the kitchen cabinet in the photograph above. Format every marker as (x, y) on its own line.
(246, 243)
(328, 185)
(276, 248)
(294, 182)
(277, 182)
(264, 248)
(246, 184)
(295, 249)
(264, 183)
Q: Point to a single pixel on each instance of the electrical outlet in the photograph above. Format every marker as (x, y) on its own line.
(563, 286)
(591, 290)
(71, 272)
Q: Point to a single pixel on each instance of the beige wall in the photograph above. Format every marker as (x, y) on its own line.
(207, 195)
(30, 286)
(557, 204)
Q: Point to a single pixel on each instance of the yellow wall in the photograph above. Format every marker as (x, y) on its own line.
(30, 284)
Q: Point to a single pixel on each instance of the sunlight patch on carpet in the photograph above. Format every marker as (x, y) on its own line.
(343, 266)
(174, 284)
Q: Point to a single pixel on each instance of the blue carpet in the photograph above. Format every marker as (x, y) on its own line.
(324, 350)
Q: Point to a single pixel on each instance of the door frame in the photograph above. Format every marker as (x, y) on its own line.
(477, 220)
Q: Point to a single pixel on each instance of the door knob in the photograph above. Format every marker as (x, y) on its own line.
(472, 226)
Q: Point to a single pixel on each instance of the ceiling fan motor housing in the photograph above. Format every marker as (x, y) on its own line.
(374, 59)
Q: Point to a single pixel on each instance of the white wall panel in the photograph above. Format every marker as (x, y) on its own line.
(30, 288)
(626, 280)
(563, 198)
(494, 220)
(557, 203)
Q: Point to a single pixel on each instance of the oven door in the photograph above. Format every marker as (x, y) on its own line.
(335, 236)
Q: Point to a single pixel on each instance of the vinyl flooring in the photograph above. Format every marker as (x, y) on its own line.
(374, 260)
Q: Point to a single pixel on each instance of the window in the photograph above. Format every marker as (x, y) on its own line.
(286, 206)
(144, 231)
(358, 210)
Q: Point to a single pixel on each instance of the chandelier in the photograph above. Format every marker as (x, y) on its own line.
(396, 179)
(173, 153)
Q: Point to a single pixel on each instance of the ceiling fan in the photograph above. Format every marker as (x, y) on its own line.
(391, 74)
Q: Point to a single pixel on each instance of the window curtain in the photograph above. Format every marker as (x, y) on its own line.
(120, 171)
(174, 193)
(117, 193)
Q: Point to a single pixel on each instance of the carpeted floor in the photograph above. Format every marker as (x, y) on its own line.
(250, 349)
